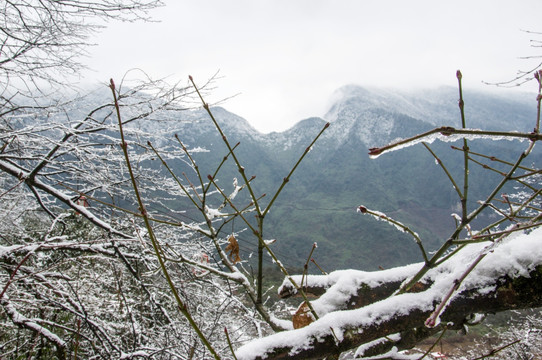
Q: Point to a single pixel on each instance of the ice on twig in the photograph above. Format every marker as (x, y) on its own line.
(212, 213)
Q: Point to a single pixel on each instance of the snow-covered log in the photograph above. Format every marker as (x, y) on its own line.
(509, 277)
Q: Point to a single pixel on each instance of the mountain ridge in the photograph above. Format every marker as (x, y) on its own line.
(437, 107)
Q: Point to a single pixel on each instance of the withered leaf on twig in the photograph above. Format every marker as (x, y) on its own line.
(233, 248)
(303, 316)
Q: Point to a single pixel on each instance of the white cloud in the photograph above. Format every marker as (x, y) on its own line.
(285, 58)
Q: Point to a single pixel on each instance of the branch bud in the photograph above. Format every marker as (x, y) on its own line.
(447, 130)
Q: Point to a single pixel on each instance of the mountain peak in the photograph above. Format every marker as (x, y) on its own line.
(437, 106)
(233, 122)
(411, 103)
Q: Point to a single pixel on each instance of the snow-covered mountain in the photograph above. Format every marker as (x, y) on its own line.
(374, 115)
(337, 175)
(436, 106)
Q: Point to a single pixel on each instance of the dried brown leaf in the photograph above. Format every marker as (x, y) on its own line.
(233, 248)
(302, 316)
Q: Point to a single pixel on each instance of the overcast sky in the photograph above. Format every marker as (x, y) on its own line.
(285, 58)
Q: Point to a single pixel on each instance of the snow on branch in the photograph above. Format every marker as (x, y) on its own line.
(33, 182)
(19, 319)
(451, 134)
(21, 250)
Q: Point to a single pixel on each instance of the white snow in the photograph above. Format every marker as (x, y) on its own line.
(236, 189)
(212, 213)
(363, 348)
(346, 281)
(393, 354)
(135, 354)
